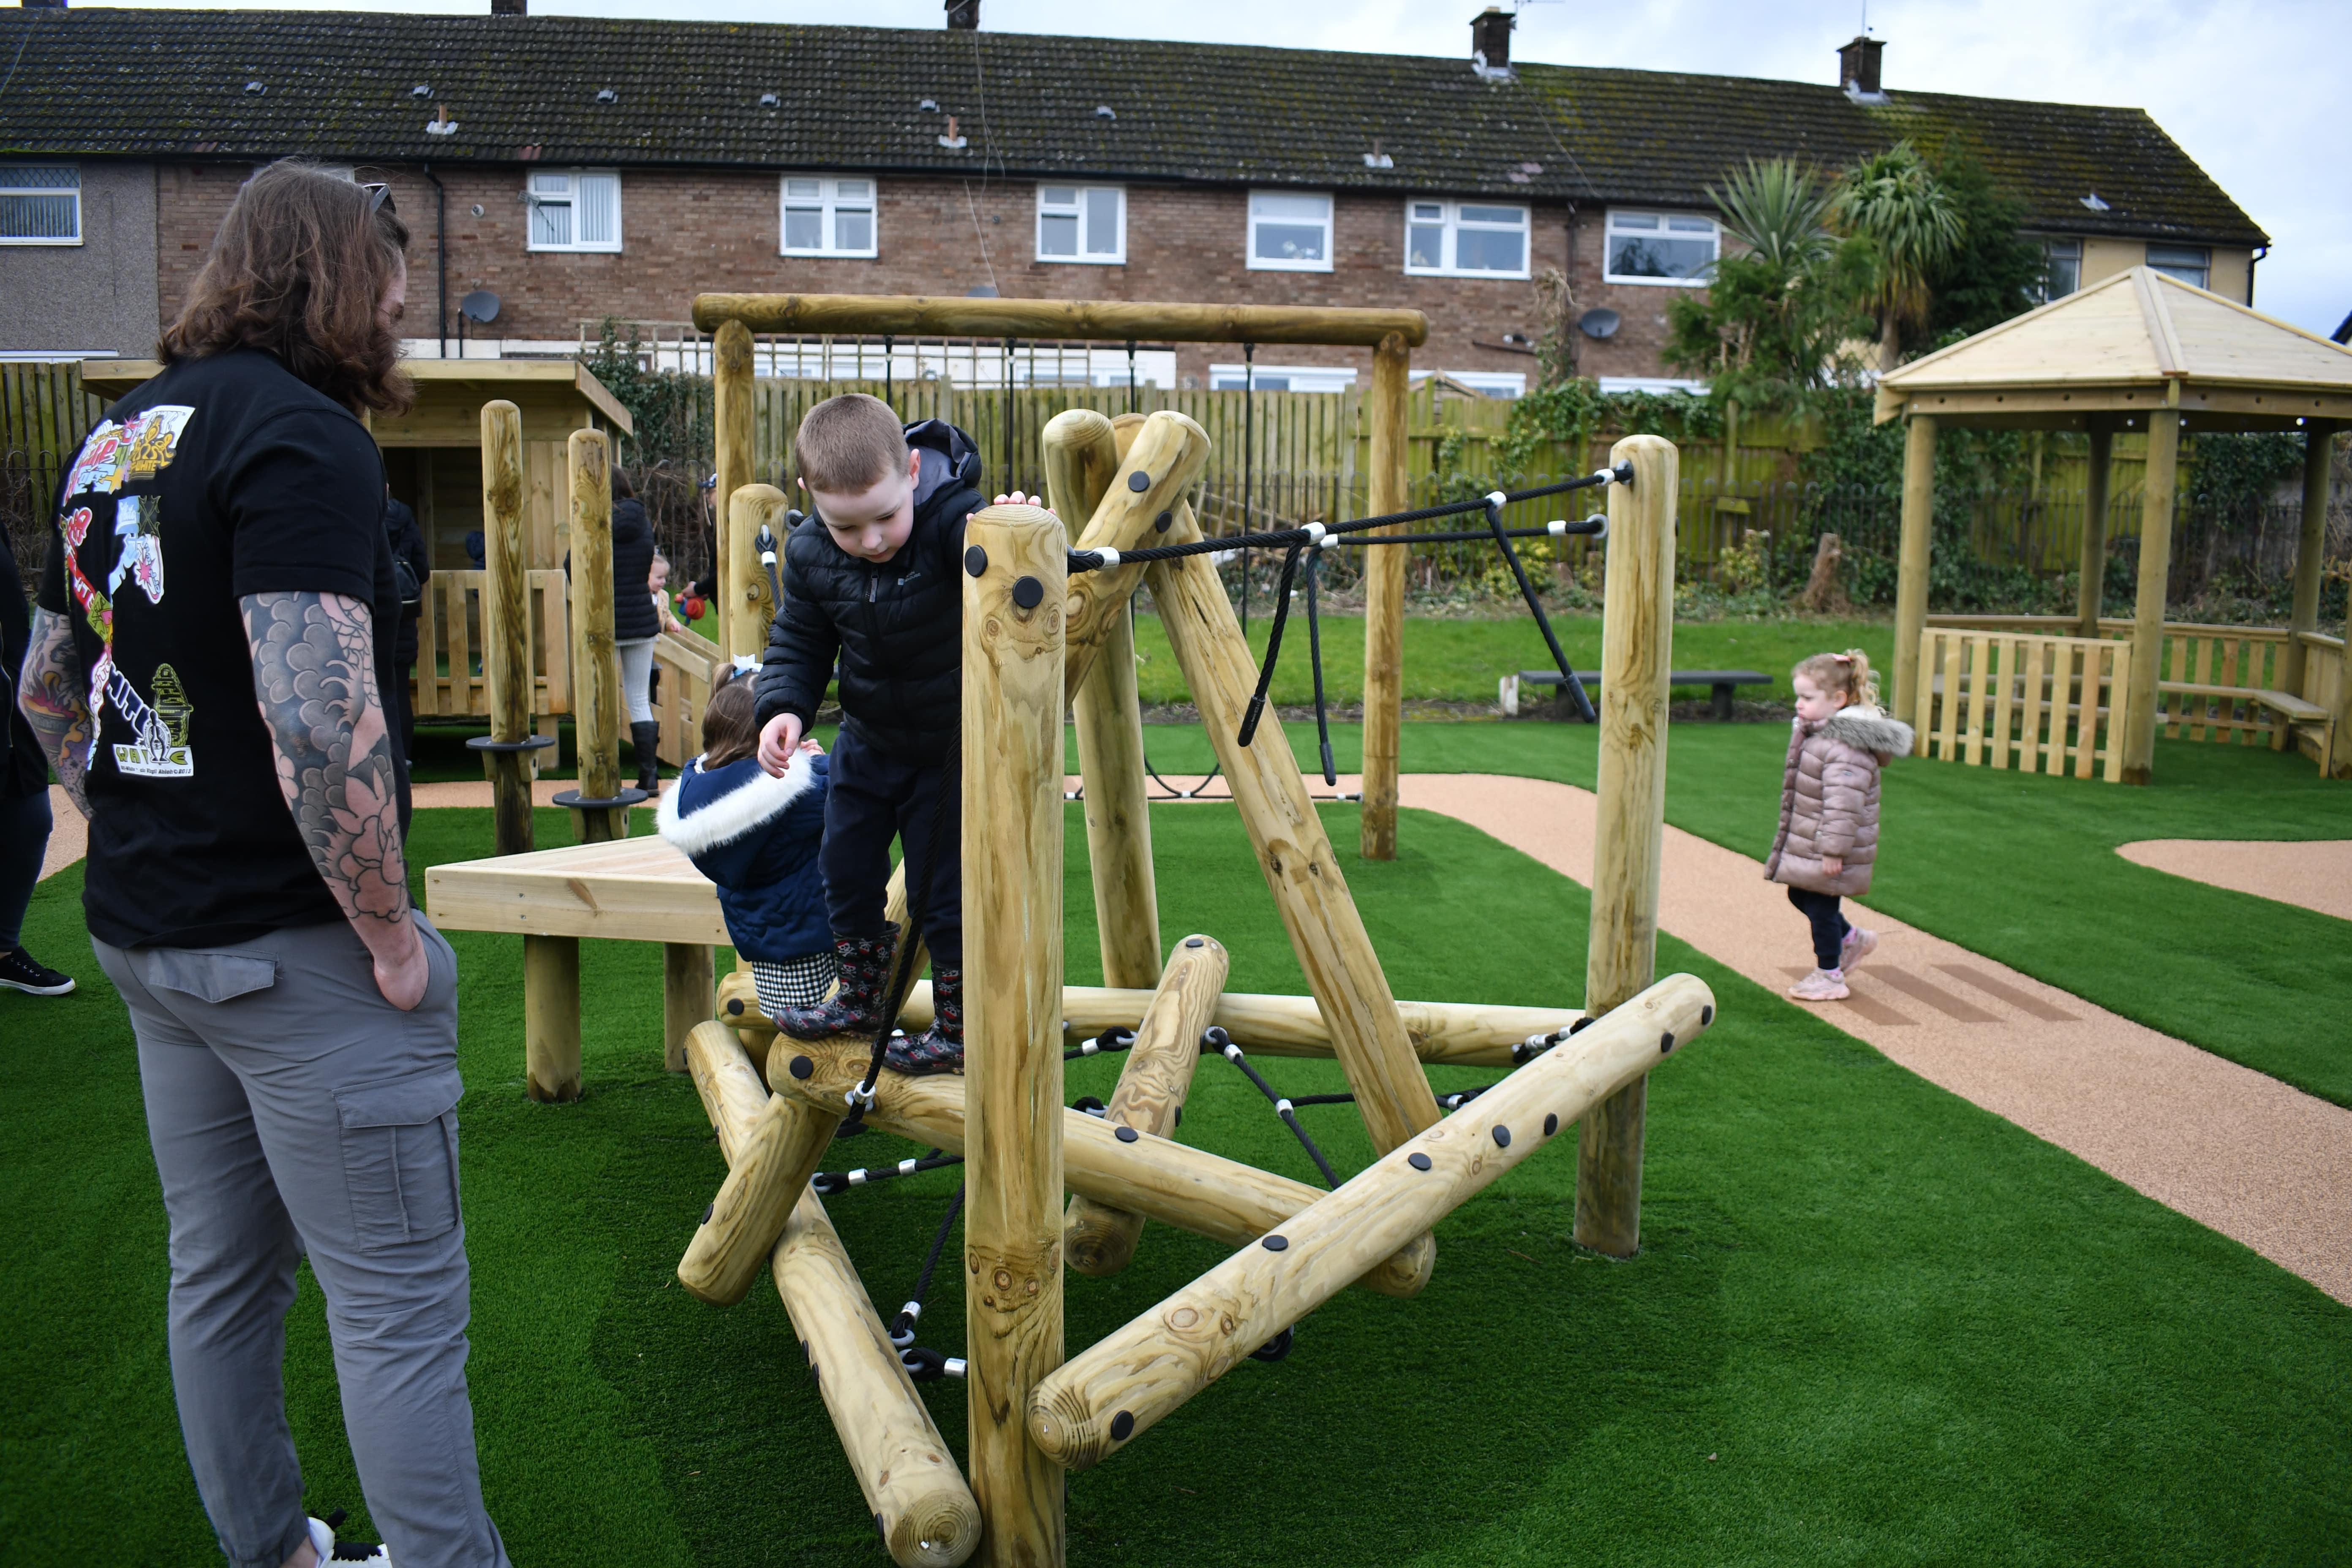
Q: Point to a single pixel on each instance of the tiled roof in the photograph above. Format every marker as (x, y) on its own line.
(340, 86)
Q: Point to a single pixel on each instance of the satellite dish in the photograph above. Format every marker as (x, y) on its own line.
(1598, 323)
(481, 305)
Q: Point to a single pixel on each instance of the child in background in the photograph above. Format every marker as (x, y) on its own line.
(1829, 809)
(757, 837)
(657, 582)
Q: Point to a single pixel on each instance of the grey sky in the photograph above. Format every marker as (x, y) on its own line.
(2252, 89)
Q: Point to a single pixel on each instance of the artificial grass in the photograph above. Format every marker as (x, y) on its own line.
(1870, 1323)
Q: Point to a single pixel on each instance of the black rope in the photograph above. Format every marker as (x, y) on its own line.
(830, 1182)
(1315, 660)
(1131, 375)
(1575, 688)
(1217, 1040)
(1273, 646)
(924, 1365)
(1110, 1040)
(1591, 527)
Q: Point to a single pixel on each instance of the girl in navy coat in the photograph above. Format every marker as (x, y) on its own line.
(757, 838)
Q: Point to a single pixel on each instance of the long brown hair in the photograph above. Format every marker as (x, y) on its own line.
(731, 728)
(297, 270)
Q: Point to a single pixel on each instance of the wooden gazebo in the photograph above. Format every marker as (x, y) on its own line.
(2140, 352)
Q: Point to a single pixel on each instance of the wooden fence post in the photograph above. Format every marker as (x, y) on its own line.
(2093, 573)
(595, 658)
(1637, 643)
(1384, 411)
(1016, 567)
(1911, 568)
(733, 439)
(2155, 575)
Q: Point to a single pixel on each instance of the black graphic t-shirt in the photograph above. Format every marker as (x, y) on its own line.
(222, 477)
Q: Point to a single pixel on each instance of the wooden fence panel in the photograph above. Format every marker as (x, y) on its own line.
(2042, 704)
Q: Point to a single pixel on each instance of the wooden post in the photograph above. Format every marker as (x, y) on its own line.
(506, 624)
(1637, 659)
(2091, 589)
(1110, 1394)
(1310, 893)
(1081, 456)
(766, 1176)
(2155, 571)
(1149, 1097)
(551, 1018)
(744, 581)
(1166, 455)
(1385, 491)
(686, 997)
(1015, 569)
(734, 452)
(921, 1508)
(595, 659)
(1191, 1189)
(1911, 564)
(2310, 557)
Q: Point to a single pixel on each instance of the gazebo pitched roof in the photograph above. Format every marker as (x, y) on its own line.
(2138, 341)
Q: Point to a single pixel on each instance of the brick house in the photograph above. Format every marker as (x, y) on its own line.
(579, 168)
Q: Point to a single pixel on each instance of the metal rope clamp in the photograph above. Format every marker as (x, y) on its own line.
(859, 1097)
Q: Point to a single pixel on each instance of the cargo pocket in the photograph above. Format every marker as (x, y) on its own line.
(400, 1156)
(209, 977)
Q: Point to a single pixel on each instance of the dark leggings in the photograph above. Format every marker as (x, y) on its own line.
(24, 841)
(1829, 926)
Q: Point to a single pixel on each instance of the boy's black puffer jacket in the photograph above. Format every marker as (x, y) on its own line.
(896, 627)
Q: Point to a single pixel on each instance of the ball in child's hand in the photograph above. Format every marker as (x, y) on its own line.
(693, 608)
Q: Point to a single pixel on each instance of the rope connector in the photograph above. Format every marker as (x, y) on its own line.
(1497, 499)
(1314, 533)
(1624, 472)
(859, 1097)
(1106, 556)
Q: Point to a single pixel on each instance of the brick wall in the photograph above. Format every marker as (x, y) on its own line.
(690, 231)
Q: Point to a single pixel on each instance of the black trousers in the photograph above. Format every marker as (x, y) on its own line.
(1829, 925)
(874, 798)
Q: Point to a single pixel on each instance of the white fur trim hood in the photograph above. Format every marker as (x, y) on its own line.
(730, 816)
(1870, 730)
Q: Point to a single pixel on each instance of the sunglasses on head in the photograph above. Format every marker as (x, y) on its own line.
(379, 197)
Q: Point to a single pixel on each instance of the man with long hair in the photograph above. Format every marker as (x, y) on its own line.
(207, 670)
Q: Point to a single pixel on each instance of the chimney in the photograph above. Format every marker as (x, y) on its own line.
(1490, 43)
(509, 7)
(1858, 69)
(963, 15)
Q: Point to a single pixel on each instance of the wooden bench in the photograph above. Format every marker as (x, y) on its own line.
(2218, 711)
(1723, 682)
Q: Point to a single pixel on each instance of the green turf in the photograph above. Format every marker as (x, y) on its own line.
(1870, 1324)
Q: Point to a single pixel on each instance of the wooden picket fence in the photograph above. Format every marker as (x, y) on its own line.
(449, 642)
(686, 665)
(2042, 704)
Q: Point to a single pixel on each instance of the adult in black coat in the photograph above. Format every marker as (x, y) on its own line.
(25, 820)
(635, 625)
(408, 547)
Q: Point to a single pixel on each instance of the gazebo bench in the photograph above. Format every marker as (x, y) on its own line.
(2292, 711)
(1723, 682)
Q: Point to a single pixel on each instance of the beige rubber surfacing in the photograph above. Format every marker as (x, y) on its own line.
(2314, 873)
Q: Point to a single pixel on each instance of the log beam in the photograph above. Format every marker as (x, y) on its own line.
(506, 624)
(1912, 562)
(551, 1018)
(744, 585)
(2157, 493)
(765, 1178)
(732, 447)
(595, 658)
(1104, 320)
(686, 997)
(1104, 1396)
(1386, 485)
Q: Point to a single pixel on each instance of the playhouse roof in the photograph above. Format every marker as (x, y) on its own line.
(2138, 341)
(449, 394)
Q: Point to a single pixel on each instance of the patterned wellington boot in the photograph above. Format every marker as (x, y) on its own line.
(856, 1006)
(939, 1049)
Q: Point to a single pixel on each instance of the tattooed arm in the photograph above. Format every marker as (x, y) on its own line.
(314, 677)
(52, 693)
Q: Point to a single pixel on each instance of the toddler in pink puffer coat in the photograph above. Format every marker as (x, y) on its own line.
(1829, 809)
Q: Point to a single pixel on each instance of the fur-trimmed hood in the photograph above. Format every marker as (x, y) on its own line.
(1869, 730)
(705, 810)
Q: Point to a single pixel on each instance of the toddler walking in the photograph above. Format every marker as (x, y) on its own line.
(758, 837)
(1829, 809)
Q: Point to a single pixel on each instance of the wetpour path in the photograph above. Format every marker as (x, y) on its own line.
(2314, 873)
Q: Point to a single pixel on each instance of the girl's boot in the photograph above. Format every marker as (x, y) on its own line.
(939, 1049)
(855, 1008)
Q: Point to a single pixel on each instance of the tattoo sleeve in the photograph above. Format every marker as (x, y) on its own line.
(314, 677)
(51, 692)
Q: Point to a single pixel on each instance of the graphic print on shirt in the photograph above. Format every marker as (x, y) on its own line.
(161, 750)
(112, 455)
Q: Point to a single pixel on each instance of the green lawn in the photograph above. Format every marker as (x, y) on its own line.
(1870, 1324)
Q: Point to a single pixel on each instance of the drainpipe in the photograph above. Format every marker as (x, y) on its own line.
(441, 246)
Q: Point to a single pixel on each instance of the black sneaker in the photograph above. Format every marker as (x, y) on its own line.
(20, 970)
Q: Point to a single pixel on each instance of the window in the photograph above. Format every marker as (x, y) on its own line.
(1281, 378)
(1290, 233)
(1082, 222)
(2189, 263)
(2062, 268)
(579, 210)
(1675, 248)
(1466, 239)
(40, 205)
(828, 216)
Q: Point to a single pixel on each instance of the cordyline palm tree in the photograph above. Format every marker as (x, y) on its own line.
(1892, 199)
(1779, 211)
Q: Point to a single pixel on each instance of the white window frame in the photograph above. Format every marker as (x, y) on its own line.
(1450, 216)
(1610, 231)
(2050, 256)
(830, 203)
(2172, 271)
(1256, 263)
(1083, 211)
(1317, 377)
(7, 187)
(535, 198)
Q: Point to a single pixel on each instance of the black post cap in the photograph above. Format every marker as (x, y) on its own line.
(975, 561)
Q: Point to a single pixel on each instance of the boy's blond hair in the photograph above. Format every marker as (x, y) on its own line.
(1848, 672)
(848, 443)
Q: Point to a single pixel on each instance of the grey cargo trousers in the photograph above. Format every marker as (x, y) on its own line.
(293, 1109)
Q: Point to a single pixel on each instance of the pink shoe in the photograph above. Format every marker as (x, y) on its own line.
(1821, 985)
(1858, 945)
